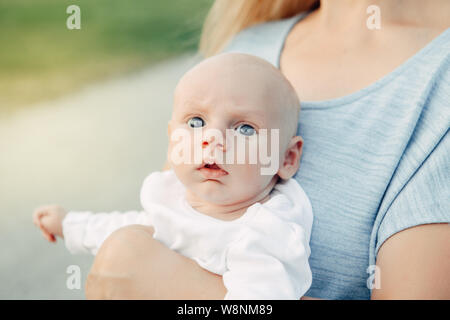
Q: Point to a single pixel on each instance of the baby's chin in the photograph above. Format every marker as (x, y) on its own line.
(213, 191)
(216, 193)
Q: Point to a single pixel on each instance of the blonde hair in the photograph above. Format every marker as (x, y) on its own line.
(227, 17)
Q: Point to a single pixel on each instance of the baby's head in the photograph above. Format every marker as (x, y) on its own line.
(221, 108)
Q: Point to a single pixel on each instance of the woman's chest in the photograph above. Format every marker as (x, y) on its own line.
(326, 67)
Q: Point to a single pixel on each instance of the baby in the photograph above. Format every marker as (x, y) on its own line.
(224, 203)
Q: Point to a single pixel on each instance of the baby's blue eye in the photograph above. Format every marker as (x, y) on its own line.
(196, 122)
(246, 130)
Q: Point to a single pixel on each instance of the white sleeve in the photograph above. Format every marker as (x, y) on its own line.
(84, 232)
(269, 261)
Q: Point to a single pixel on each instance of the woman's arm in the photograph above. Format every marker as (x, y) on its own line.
(415, 264)
(133, 265)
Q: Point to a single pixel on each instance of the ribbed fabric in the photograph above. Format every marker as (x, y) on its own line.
(375, 162)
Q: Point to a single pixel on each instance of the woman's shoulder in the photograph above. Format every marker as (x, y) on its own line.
(264, 40)
(435, 56)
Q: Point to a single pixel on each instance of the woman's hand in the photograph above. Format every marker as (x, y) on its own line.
(49, 220)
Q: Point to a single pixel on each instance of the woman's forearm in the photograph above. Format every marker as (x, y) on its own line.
(132, 265)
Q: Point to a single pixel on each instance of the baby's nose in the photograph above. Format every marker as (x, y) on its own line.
(211, 142)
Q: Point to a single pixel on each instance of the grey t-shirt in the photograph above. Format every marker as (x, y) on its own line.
(375, 162)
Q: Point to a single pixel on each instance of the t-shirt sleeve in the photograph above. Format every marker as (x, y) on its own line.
(424, 199)
(262, 40)
(268, 261)
(422, 178)
(85, 232)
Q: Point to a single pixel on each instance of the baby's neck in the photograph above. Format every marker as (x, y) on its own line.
(231, 211)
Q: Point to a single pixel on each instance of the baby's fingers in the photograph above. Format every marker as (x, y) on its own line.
(50, 237)
(39, 213)
(36, 221)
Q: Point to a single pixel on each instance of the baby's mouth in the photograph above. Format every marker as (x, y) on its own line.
(212, 171)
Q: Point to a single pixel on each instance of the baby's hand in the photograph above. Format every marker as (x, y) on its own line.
(49, 220)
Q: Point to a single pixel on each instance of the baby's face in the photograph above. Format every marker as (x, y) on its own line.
(233, 104)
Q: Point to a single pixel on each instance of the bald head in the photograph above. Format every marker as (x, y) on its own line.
(241, 77)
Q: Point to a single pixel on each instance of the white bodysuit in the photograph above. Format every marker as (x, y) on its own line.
(261, 255)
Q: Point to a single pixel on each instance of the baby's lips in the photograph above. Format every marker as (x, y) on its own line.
(211, 163)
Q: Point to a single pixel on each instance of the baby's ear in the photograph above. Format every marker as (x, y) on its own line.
(291, 161)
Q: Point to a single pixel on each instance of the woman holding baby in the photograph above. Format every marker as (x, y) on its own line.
(375, 161)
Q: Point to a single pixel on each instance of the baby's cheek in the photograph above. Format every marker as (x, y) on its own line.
(247, 180)
(185, 147)
(184, 174)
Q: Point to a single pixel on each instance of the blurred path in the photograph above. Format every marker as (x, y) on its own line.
(90, 150)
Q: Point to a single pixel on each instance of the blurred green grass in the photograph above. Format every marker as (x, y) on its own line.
(40, 58)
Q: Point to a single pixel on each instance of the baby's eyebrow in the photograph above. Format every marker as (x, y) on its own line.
(194, 106)
(253, 114)
(234, 111)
